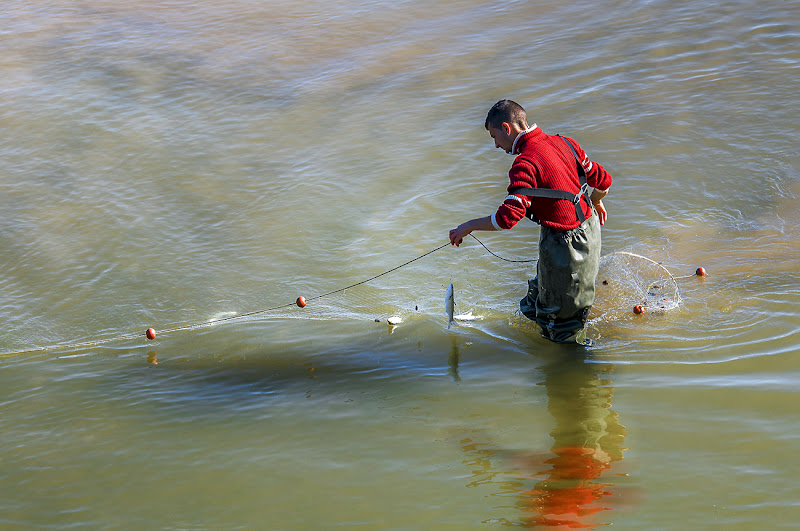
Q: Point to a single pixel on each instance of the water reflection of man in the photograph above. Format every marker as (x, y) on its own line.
(587, 440)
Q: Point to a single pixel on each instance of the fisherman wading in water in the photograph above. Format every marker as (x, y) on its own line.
(550, 180)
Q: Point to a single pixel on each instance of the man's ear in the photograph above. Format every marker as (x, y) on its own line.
(506, 128)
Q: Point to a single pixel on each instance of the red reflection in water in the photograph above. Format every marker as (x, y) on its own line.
(568, 490)
(569, 494)
(587, 440)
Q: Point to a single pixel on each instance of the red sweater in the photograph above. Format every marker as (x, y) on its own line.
(545, 161)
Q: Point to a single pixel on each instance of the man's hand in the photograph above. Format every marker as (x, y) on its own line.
(601, 212)
(458, 234)
(597, 200)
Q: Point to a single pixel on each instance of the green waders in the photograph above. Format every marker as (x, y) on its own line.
(562, 293)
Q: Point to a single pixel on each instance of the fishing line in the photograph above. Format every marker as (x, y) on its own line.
(150, 333)
(380, 275)
(641, 282)
(626, 253)
(500, 257)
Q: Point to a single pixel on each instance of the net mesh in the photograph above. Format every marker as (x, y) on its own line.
(627, 280)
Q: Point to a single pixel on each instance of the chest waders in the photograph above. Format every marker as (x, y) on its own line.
(560, 296)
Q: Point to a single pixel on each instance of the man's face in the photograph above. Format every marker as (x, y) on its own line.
(503, 136)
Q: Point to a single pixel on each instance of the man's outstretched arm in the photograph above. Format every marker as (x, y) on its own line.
(458, 234)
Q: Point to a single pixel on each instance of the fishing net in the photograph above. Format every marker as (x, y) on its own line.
(627, 280)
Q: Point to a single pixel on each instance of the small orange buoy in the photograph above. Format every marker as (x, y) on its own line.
(151, 334)
(701, 272)
(638, 309)
(301, 301)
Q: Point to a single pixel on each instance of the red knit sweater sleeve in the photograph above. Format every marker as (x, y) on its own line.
(596, 175)
(514, 207)
(547, 162)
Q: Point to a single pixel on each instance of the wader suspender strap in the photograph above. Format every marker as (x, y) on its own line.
(561, 194)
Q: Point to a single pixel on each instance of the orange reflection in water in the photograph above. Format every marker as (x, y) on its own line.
(569, 494)
(569, 487)
(587, 441)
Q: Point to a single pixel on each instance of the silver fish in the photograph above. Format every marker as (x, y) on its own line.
(449, 305)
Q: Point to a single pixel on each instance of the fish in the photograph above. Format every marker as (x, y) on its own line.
(449, 305)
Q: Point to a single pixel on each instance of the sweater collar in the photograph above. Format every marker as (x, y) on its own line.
(519, 137)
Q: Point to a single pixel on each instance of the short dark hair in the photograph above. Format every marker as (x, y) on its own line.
(506, 111)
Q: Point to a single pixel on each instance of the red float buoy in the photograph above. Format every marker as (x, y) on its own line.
(701, 272)
(150, 333)
(638, 309)
(301, 301)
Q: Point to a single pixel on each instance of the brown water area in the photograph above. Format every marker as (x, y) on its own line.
(195, 167)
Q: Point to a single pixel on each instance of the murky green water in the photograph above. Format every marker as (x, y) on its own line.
(166, 164)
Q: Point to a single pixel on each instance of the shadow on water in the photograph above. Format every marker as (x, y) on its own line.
(204, 372)
(573, 485)
(576, 483)
(452, 361)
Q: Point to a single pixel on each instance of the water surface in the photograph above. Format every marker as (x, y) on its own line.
(166, 164)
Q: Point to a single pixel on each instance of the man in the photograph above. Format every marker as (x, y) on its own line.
(549, 178)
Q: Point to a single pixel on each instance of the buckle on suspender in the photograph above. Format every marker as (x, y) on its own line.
(583, 191)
